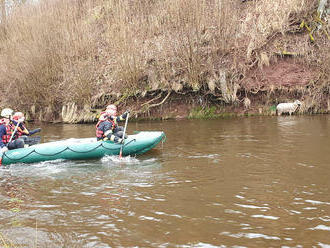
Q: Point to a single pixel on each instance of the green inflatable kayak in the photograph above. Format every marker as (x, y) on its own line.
(86, 148)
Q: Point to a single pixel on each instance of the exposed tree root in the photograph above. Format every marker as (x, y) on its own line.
(153, 99)
(157, 104)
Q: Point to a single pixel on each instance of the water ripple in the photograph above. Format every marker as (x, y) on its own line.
(171, 215)
(250, 235)
(313, 202)
(251, 206)
(321, 227)
(269, 217)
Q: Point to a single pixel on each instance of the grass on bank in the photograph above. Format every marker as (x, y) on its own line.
(54, 53)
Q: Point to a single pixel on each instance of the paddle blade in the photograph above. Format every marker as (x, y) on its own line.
(121, 152)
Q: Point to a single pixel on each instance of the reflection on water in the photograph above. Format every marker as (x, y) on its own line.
(241, 182)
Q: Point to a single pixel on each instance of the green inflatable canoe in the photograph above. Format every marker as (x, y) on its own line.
(86, 148)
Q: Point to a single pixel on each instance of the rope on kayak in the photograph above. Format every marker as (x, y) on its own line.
(67, 148)
(133, 140)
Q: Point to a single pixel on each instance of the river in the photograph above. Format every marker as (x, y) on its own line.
(236, 182)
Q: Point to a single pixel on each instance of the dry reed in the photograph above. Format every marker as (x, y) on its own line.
(59, 52)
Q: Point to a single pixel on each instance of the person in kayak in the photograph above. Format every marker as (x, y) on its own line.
(107, 127)
(23, 132)
(8, 132)
(21, 129)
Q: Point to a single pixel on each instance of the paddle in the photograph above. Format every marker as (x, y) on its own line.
(121, 148)
(18, 122)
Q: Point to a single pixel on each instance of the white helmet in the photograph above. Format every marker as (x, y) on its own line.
(111, 110)
(111, 106)
(7, 113)
(18, 116)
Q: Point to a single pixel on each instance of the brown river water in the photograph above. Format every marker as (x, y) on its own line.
(238, 182)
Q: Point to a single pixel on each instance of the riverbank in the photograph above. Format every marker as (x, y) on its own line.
(65, 61)
(192, 105)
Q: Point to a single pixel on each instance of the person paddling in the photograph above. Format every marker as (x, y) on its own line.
(23, 132)
(107, 127)
(8, 132)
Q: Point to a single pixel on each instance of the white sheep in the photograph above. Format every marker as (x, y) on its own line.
(289, 107)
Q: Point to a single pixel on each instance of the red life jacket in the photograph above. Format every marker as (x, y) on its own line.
(9, 131)
(99, 132)
(104, 117)
(97, 124)
(100, 119)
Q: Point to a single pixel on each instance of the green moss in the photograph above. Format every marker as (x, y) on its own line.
(226, 115)
(202, 113)
(16, 222)
(15, 210)
(272, 108)
(208, 113)
(16, 200)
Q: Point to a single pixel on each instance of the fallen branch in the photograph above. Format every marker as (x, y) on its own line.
(157, 104)
(157, 97)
